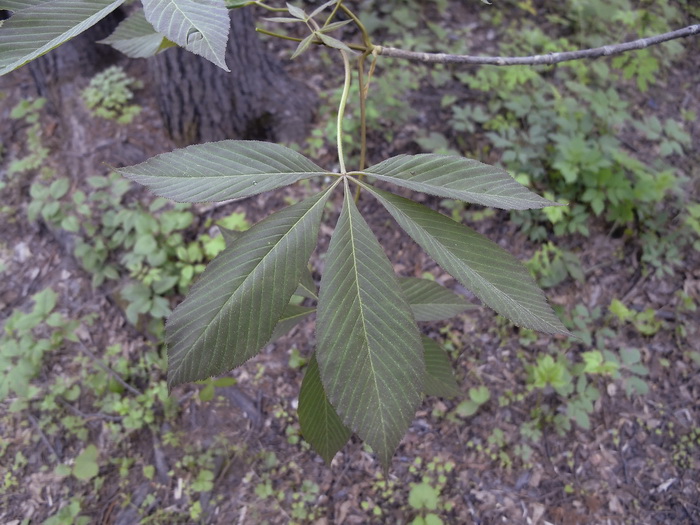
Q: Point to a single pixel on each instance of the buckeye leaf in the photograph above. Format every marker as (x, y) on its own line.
(219, 171)
(200, 26)
(307, 287)
(291, 316)
(230, 236)
(231, 311)
(439, 377)
(430, 301)
(369, 350)
(490, 272)
(319, 422)
(136, 38)
(38, 26)
(458, 178)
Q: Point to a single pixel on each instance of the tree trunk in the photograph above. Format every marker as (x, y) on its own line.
(200, 102)
(56, 72)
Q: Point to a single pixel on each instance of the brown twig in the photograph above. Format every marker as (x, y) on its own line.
(43, 437)
(84, 349)
(548, 59)
(87, 417)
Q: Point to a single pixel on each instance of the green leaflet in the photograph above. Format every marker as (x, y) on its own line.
(291, 316)
(38, 26)
(231, 311)
(431, 302)
(439, 377)
(458, 178)
(307, 287)
(369, 350)
(230, 236)
(320, 424)
(201, 26)
(490, 272)
(136, 38)
(219, 171)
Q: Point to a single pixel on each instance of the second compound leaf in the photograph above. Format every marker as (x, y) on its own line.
(291, 316)
(38, 26)
(432, 302)
(136, 38)
(319, 422)
(201, 26)
(439, 377)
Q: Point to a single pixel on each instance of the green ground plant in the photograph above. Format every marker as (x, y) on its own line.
(551, 266)
(29, 110)
(25, 340)
(109, 93)
(574, 385)
(371, 366)
(557, 129)
(116, 237)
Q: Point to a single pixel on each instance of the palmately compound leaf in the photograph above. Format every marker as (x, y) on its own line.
(38, 26)
(490, 272)
(200, 26)
(136, 38)
(369, 350)
(430, 301)
(320, 424)
(458, 178)
(231, 311)
(219, 171)
(439, 377)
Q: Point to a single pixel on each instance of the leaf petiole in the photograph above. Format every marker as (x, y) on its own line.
(341, 109)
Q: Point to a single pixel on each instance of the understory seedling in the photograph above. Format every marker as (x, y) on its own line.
(551, 265)
(109, 93)
(115, 237)
(645, 321)
(567, 388)
(478, 396)
(426, 497)
(26, 338)
(29, 110)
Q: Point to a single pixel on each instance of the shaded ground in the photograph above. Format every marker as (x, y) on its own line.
(638, 463)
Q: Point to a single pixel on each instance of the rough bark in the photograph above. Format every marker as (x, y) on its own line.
(200, 102)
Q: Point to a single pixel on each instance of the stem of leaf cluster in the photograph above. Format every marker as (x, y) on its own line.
(363, 119)
(366, 40)
(270, 8)
(277, 35)
(333, 13)
(363, 111)
(355, 47)
(341, 109)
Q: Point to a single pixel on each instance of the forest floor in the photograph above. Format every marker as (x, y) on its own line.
(638, 462)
